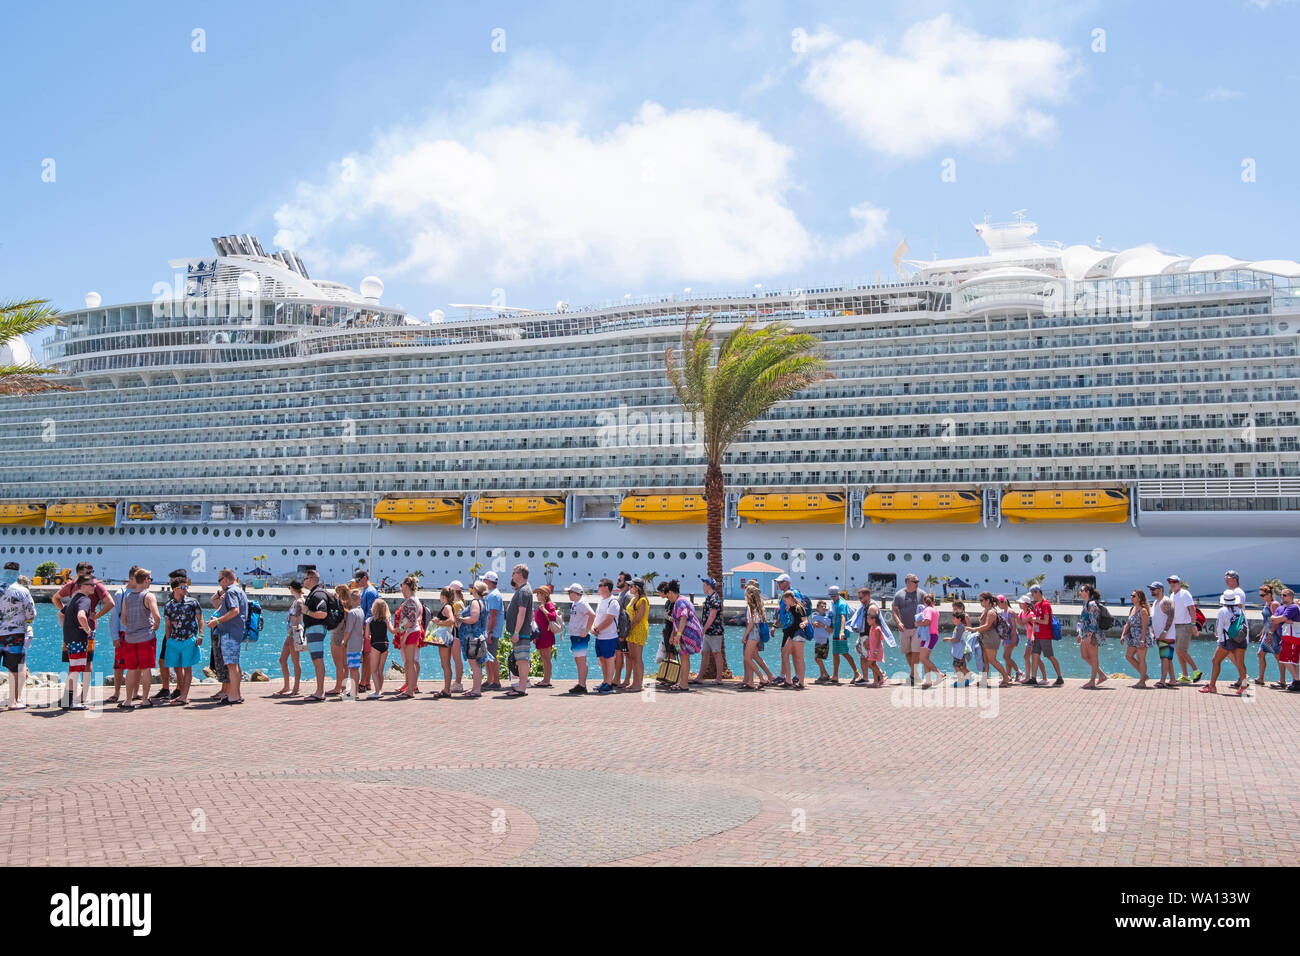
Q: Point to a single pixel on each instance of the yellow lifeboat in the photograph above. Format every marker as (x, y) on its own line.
(140, 513)
(25, 513)
(420, 510)
(1103, 505)
(523, 510)
(80, 512)
(679, 508)
(814, 508)
(949, 507)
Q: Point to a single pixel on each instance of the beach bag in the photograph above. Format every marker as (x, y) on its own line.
(670, 668)
(556, 626)
(1105, 620)
(1056, 628)
(1004, 628)
(1233, 630)
(1199, 616)
(253, 625)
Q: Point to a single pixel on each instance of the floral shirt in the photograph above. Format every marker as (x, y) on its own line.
(183, 616)
(16, 609)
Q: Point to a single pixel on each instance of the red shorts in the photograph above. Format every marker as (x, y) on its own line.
(139, 657)
(413, 639)
(1290, 652)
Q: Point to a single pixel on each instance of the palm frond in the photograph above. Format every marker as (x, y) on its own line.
(25, 316)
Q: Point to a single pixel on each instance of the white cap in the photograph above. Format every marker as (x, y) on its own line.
(576, 588)
(490, 576)
(456, 586)
(783, 578)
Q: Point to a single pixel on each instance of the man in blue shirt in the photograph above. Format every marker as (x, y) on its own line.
(495, 607)
(228, 627)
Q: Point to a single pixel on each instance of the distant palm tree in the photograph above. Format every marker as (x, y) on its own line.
(19, 318)
(755, 367)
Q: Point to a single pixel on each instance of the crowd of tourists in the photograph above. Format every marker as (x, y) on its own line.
(477, 630)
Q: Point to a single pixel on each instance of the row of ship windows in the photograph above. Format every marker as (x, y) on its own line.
(142, 531)
(619, 555)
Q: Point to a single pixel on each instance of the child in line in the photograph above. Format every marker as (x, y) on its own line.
(959, 649)
(581, 615)
(875, 647)
(821, 627)
(354, 642)
(378, 626)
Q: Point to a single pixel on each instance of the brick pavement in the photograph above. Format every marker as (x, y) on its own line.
(830, 775)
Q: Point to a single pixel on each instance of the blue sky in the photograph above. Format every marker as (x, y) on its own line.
(607, 151)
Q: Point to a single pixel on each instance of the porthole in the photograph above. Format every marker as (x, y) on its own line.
(619, 555)
(637, 554)
(516, 554)
(821, 557)
(405, 554)
(460, 554)
(925, 557)
(681, 556)
(767, 555)
(227, 532)
(985, 557)
(295, 552)
(1068, 558)
(785, 556)
(1048, 558)
(238, 532)
(590, 554)
(332, 552)
(546, 554)
(284, 551)
(99, 550)
(604, 554)
(947, 557)
(531, 553)
(650, 555)
(857, 558)
(1088, 559)
(272, 532)
(750, 556)
(1004, 558)
(891, 557)
(838, 557)
(699, 555)
(1029, 558)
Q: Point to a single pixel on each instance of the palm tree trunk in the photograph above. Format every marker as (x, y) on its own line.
(715, 487)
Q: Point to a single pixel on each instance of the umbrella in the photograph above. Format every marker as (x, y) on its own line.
(258, 572)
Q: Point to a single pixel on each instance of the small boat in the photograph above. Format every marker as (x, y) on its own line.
(948, 507)
(664, 508)
(813, 508)
(92, 513)
(1102, 505)
(519, 510)
(420, 510)
(140, 513)
(27, 513)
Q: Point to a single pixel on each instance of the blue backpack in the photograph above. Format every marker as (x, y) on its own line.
(253, 624)
(1056, 628)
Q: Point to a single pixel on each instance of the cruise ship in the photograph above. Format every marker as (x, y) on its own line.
(1035, 409)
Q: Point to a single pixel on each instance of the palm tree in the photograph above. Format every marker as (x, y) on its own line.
(19, 318)
(755, 367)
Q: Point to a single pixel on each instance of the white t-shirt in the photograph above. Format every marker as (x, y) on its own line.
(1183, 602)
(1158, 613)
(1241, 597)
(579, 618)
(608, 606)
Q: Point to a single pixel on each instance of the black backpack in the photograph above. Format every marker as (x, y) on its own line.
(1105, 620)
(624, 624)
(333, 609)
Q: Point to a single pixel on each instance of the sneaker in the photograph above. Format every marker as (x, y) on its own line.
(374, 695)
(1295, 687)
(577, 689)
(175, 694)
(1032, 682)
(1059, 682)
(1187, 680)
(605, 689)
(1196, 675)
(163, 694)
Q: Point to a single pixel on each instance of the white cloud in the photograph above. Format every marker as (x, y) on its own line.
(946, 86)
(1221, 94)
(666, 195)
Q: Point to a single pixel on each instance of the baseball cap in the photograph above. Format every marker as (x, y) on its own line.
(456, 586)
(783, 578)
(1175, 579)
(576, 588)
(490, 576)
(1232, 574)
(710, 582)
(1228, 597)
(1000, 597)
(1155, 586)
(1034, 588)
(833, 590)
(1025, 599)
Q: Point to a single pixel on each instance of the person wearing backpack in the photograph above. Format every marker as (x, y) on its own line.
(1040, 617)
(713, 631)
(1091, 634)
(473, 630)
(1231, 630)
(989, 638)
(229, 625)
(317, 619)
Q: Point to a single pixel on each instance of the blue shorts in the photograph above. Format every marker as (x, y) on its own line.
(605, 648)
(354, 660)
(579, 645)
(181, 653)
(316, 645)
(230, 651)
(1166, 650)
(523, 649)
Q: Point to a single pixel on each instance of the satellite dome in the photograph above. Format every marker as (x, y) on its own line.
(15, 352)
(437, 315)
(561, 306)
(92, 300)
(249, 283)
(372, 287)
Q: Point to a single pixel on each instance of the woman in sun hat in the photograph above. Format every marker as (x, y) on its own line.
(543, 637)
(1232, 632)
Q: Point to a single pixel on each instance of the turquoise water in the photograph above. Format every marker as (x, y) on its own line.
(265, 654)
